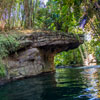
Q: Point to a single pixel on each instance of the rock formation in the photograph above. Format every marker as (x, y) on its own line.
(36, 53)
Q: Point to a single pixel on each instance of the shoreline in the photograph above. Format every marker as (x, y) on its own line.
(5, 81)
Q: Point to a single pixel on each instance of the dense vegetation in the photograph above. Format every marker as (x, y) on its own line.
(8, 44)
(75, 16)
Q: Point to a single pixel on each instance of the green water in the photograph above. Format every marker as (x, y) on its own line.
(65, 84)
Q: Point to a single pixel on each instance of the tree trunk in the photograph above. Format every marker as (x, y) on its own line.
(26, 11)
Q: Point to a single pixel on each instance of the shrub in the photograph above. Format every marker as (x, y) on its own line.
(8, 43)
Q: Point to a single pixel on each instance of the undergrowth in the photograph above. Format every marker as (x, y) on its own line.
(8, 44)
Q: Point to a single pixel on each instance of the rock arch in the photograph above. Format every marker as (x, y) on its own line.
(36, 52)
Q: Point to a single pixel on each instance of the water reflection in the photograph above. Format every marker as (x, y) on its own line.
(65, 84)
(92, 80)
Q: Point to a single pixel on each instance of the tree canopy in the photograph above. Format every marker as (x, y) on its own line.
(75, 16)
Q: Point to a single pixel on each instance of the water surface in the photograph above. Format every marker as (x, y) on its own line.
(65, 84)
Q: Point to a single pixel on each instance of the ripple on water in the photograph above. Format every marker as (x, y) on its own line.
(66, 84)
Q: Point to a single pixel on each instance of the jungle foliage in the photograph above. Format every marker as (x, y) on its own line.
(8, 44)
(75, 16)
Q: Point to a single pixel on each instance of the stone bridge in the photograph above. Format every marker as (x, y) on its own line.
(37, 50)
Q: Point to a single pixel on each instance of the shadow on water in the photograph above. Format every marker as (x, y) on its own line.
(66, 84)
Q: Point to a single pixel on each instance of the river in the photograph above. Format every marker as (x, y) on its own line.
(66, 84)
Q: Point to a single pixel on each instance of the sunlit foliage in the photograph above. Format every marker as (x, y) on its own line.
(63, 15)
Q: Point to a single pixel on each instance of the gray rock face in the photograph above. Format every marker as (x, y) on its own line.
(26, 63)
(36, 53)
